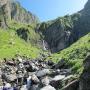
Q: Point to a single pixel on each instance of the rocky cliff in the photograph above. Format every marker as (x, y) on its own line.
(12, 10)
(64, 31)
(85, 77)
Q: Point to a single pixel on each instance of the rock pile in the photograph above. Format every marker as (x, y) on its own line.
(25, 74)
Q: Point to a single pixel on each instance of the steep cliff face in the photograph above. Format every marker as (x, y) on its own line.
(12, 10)
(85, 77)
(58, 33)
(64, 31)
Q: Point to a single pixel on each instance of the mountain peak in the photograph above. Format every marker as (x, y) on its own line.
(12, 10)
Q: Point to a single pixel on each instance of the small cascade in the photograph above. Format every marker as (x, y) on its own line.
(45, 46)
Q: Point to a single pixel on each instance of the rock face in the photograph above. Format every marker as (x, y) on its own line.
(12, 10)
(85, 77)
(64, 31)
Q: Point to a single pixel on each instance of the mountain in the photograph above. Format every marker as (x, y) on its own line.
(58, 34)
(17, 31)
(12, 10)
(67, 39)
(74, 55)
(64, 31)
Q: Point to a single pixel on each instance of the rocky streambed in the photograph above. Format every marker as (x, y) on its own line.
(25, 74)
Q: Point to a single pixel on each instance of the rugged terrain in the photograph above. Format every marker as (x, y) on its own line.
(64, 41)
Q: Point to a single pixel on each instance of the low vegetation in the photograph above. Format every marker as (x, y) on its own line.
(75, 54)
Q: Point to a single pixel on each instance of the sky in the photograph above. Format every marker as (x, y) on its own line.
(51, 9)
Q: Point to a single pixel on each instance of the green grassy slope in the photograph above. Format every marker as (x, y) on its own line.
(11, 44)
(75, 54)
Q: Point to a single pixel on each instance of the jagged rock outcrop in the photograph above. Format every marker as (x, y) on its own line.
(85, 77)
(12, 10)
(64, 31)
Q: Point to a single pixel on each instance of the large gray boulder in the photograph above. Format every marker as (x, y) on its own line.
(48, 88)
(45, 81)
(43, 72)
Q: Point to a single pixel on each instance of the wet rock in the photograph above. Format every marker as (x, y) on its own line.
(29, 82)
(48, 88)
(43, 72)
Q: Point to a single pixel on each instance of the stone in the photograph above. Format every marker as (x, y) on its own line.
(24, 87)
(56, 81)
(85, 76)
(43, 72)
(9, 78)
(45, 81)
(34, 87)
(34, 79)
(74, 85)
(48, 88)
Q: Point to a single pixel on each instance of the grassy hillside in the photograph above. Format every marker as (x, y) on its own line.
(75, 54)
(11, 44)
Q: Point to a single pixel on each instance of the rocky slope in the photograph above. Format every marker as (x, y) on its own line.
(73, 56)
(12, 10)
(64, 31)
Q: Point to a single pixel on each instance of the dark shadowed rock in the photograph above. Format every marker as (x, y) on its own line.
(56, 81)
(74, 85)
(85, 77)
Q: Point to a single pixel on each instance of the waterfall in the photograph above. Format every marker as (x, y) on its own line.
(44, 45)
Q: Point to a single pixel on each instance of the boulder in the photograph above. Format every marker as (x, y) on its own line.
(33, 67)
(56, 81)
(48, 88)
(72, 86)
(34, 79)
(85, 76)
(43, 72)
(45, 81)
(9, 78)
(69, 79)
(50, 63)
